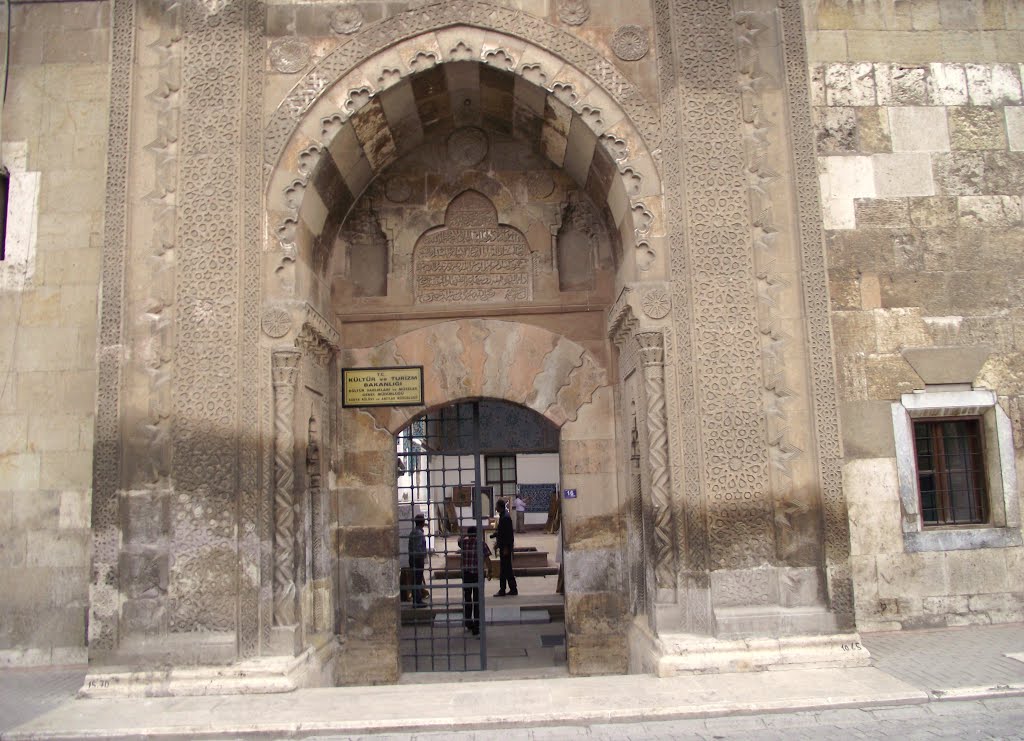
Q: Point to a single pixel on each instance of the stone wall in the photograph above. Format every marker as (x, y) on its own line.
(54, 144)
(920, 135)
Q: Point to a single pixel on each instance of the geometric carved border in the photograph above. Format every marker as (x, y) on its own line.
(104, 599)
(252, 528)
(813, 269)
(691, 36)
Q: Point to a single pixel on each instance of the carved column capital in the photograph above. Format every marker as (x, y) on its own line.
(284, 368)
(652, 348)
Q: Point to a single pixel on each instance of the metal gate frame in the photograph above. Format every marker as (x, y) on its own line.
(439, 462)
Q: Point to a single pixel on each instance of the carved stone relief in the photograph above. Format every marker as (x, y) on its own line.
(214, 309)
(741, 384)
(656, 303)
(386, 33)
(346, 19)
(630, 43)
(573, 12)
(276, 322)
(289, 55)
(286, 371)
(652, 360)
(467, 146)
(472, 258)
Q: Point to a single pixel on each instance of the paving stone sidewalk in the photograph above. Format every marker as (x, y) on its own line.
(963, 662)
(956, 663)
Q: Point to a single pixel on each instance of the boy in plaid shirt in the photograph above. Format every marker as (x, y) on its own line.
(471, 580)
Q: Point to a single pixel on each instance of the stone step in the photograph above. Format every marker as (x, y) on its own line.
(520, 558)
(519, 571)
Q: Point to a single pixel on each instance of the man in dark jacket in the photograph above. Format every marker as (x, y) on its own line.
(505, 541)
(417, 560)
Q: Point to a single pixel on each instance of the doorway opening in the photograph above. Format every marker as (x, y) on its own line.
(455, 464)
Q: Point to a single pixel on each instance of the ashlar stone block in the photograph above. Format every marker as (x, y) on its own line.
(959, 173)
(874, 508)
(993, 84)
(918, 129)
(873, 133)
(842, 179)
(976, 128)
(891, 212)
(912, 575)
(901, 84)
(20, 472)
(1004, 172)
(989, 211)
(836, 129)
(13, 434)
(1015, 127)
(867, 430)
(65, 469)
(904, 174)
(933, 212)
(981, 571)
(947, 84)
(850, 84)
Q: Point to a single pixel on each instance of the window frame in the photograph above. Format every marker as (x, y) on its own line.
(500, 484)
(1002, 528)
(977, 492)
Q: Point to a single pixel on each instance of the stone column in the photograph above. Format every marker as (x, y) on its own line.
(321, 616)
(652, 358)
(285, 370)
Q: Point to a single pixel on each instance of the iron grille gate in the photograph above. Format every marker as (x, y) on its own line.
(439, 477)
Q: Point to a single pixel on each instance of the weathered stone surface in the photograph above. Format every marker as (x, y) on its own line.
(836, 129)
(366, 542)
(959, 173)
(882, 212)
(931, 212)
(989, 211)
(972, 129)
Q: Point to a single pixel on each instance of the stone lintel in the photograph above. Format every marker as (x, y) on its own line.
(939, 365)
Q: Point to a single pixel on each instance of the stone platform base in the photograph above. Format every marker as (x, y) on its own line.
(313, 667)
(677, 654)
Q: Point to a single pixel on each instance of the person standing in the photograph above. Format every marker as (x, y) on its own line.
(417, 560)
(520, 506)
(471, 580)
(505, 541)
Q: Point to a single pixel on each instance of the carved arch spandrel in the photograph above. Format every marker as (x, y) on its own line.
(315, 116)
(537, 39)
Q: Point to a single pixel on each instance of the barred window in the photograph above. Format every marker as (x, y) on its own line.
(951, 471)
(501, 474)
